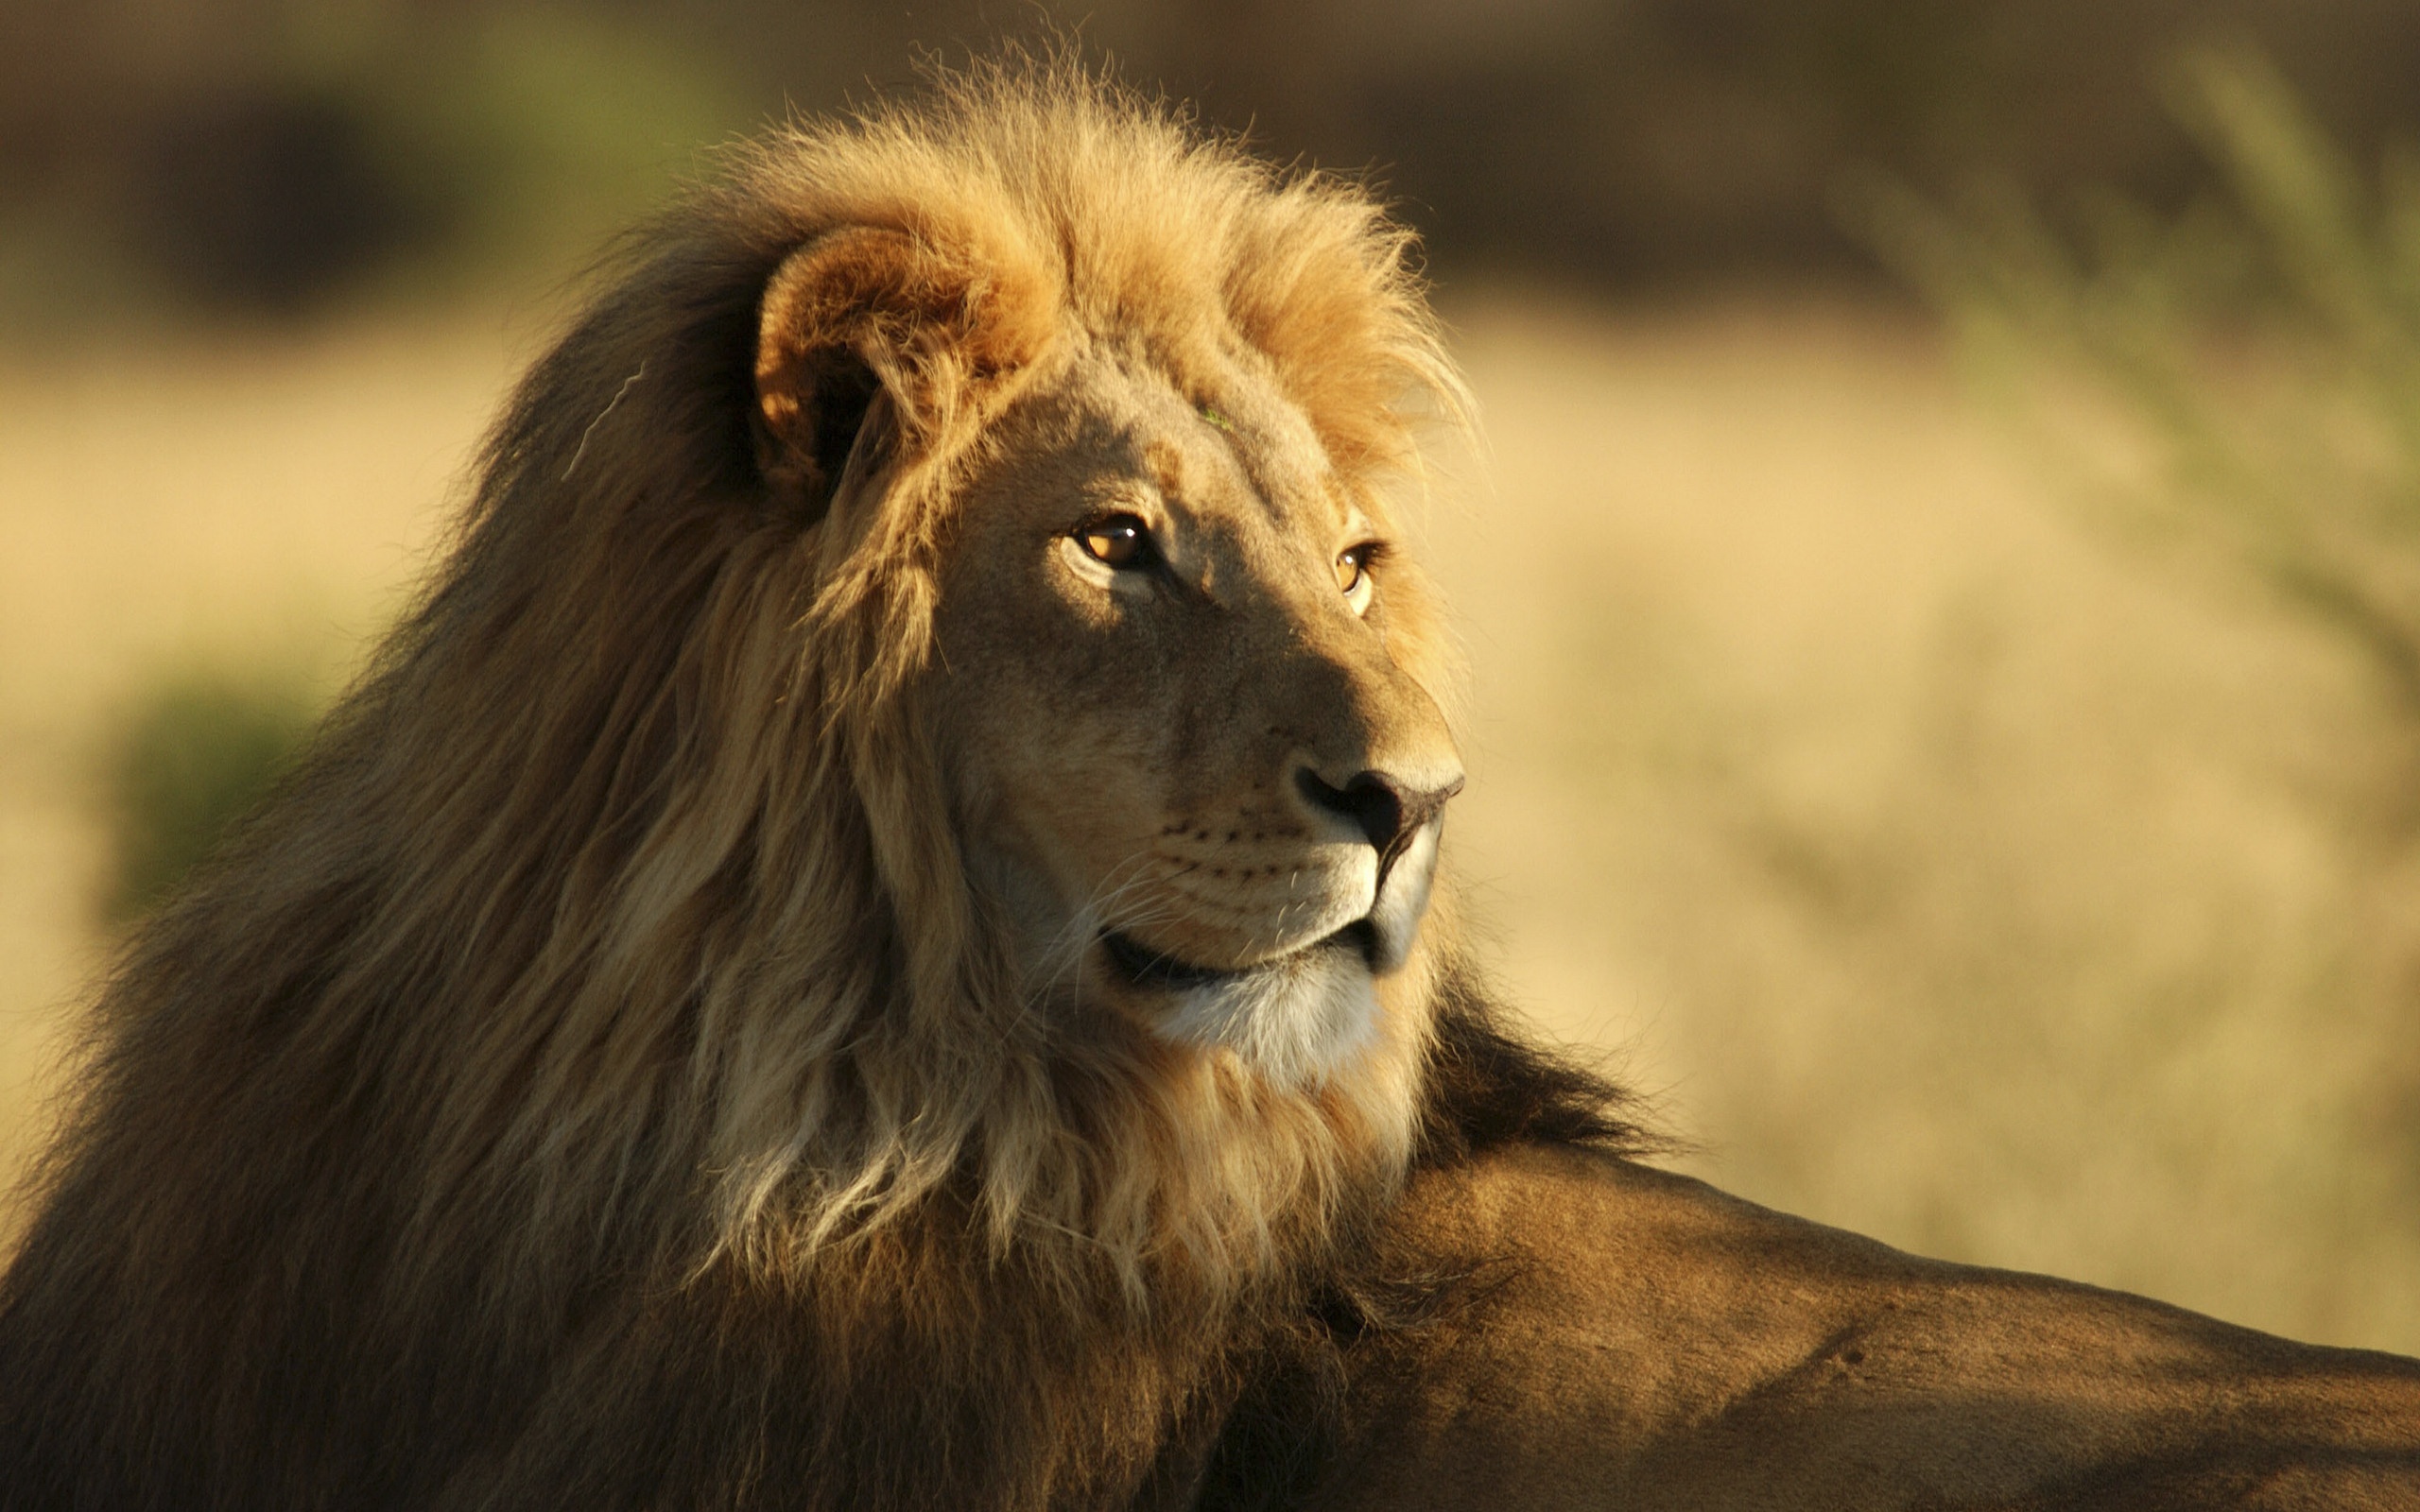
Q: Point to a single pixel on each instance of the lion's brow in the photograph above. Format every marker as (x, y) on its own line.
(1164, 462)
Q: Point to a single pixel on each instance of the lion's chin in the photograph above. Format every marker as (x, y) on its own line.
(1296, 1020)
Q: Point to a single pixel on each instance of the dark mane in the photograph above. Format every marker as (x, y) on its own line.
(1487, 1085)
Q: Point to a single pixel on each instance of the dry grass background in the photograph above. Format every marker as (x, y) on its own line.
(1952, 872)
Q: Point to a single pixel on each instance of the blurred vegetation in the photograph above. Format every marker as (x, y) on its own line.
(188, 761)
(2236, 385)
(265, 156)
(2241, 380)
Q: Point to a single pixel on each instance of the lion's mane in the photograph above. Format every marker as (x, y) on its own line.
(591, 1081)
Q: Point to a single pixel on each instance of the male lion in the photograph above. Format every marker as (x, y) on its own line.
(863, 948)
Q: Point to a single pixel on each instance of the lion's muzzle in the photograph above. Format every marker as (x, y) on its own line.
(1298, 1015)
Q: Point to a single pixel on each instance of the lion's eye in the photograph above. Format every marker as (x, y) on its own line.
(1352, 567)
(1118, 540)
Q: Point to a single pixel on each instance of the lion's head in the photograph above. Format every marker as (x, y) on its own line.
(1177, 684)
(1095, 637)
(932, 699)
(1182, 686)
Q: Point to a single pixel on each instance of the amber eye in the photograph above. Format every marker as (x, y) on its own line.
(1352, 567)
(1118, 540)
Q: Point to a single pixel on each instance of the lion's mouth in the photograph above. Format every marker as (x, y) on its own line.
(1142, 966)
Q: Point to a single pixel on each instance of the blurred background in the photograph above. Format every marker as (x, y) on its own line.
(1943, 579)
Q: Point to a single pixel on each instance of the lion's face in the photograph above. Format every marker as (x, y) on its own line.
(1186, 766)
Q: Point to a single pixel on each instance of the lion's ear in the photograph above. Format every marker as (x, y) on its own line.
(863, 312)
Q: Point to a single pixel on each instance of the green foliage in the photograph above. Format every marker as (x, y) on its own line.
(2248, 370)
(191, 758)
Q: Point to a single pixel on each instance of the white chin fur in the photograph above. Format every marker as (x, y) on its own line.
(1295, 1022)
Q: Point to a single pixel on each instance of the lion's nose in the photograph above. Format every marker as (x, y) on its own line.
(1385, 810)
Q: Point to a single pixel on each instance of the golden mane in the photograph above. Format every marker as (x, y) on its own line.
(759, 946)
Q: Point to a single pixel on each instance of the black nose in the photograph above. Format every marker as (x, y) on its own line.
(1386, 813)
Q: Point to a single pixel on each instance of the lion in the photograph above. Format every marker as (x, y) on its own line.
(875, 940)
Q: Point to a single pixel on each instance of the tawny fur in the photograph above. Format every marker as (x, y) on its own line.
(592, 1082)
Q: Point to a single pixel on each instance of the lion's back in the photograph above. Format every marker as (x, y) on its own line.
(1639, 1340)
